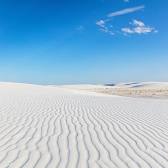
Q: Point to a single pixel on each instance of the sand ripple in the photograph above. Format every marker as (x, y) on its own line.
(50, 127)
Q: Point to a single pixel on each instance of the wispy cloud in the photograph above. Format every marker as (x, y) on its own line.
(135, 27)
(126, 11)
(138, 27)
(103, 27)
(138, 23)
(101, 23)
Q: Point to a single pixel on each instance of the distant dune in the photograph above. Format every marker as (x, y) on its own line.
(144, 89)
(74, 127)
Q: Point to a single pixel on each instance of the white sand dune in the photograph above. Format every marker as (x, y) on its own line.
(143, 89)
(149, 85)
(54, 127)
(132, 85)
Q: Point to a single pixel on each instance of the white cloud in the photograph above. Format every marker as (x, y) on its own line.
(104, 28)
(138, 28)
(107, 30)
(143, 30)
(138, 23)
(101, 23)
(127, 30)
(126, 11)
(135, 27)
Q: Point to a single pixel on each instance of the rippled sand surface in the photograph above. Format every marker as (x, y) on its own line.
(54, 127)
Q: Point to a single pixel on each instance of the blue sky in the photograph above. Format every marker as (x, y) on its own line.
(83, 41)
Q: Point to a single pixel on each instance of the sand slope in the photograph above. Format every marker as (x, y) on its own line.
(53, 127)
